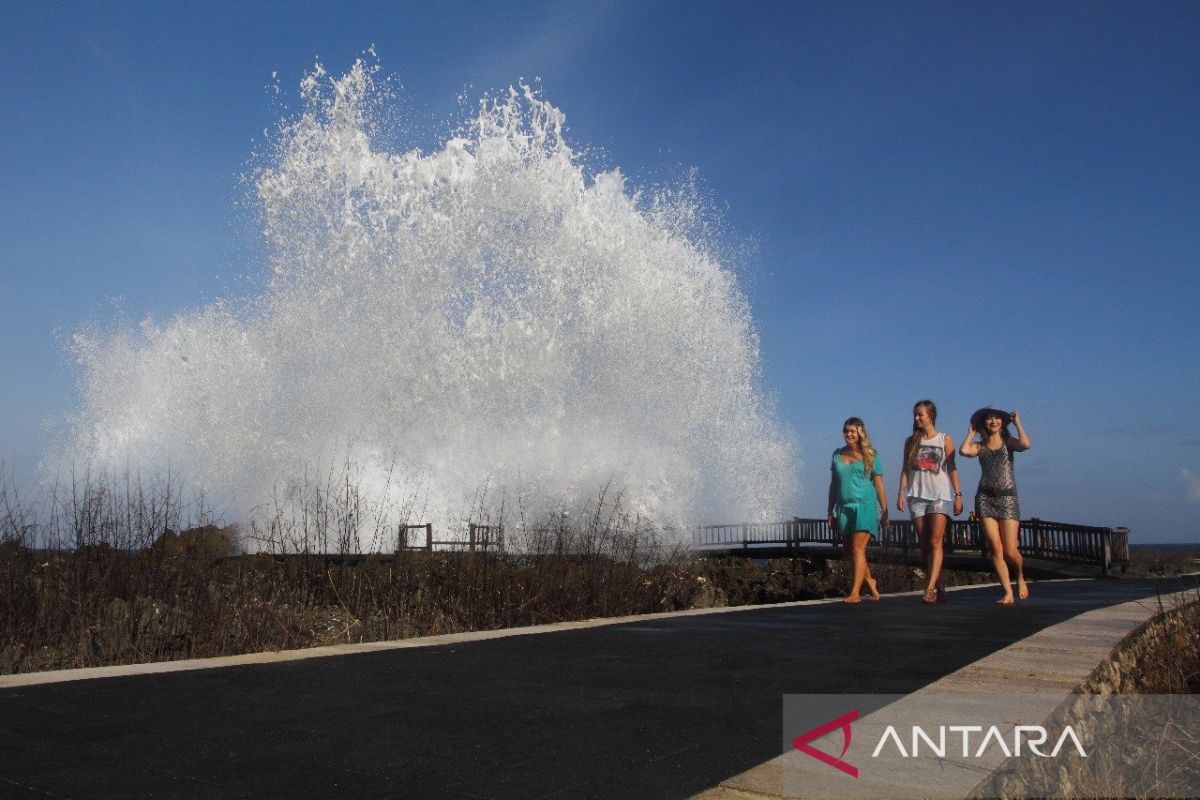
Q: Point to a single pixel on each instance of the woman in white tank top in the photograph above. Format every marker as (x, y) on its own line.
(929, 485)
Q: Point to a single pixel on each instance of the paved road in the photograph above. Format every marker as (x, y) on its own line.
(656, 708)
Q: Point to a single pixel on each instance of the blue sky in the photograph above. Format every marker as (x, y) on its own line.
(973, 202)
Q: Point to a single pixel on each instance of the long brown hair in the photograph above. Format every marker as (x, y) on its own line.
(1005, 433)
(913, 442)
(864, 444)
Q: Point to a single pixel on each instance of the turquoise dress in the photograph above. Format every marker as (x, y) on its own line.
(856, 506)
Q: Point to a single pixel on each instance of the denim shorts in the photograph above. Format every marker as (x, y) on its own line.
(920, 507)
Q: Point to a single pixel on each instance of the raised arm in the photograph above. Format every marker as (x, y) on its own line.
(1022, 441)
(969, 447)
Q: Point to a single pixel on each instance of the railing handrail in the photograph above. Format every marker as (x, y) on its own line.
(1070, 526)
(1060, 541)
(483, 537)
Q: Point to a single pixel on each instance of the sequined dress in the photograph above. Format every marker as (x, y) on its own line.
(996, 496)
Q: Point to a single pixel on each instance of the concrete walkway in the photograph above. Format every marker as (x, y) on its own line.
(1025, 682)
(660, 706)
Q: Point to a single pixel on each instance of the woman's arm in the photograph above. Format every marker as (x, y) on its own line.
(832, 503)
(952, 468)
(969, 447)
(829, 506)
(1022, 441)
(881, 495)
(903, 479)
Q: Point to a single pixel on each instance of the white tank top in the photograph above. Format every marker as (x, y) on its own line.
(928, 478)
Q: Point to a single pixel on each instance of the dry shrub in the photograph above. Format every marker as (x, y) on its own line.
(94, 573)
(109, 571)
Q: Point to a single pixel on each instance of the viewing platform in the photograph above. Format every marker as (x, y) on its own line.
(1053, 547)
(1050, 548)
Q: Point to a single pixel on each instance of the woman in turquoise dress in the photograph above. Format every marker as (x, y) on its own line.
(857, 501)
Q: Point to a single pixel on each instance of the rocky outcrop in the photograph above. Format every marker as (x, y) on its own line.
(206, 543)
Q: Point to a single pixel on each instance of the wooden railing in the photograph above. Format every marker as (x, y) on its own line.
(479, 537)
(1053, 541)
(405, 535)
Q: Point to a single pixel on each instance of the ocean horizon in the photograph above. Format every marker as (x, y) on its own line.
(1165, 546)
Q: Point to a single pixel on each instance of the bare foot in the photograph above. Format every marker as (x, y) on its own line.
(930, 596)
(1007, 600)
(852, 598)
(871, 585)
(1022, 589)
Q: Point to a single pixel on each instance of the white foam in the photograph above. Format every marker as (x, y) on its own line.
(489, 317)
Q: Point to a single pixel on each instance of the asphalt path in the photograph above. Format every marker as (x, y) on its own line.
(646, 709)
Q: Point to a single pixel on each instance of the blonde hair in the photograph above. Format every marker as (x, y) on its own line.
(912, 443)
(864, 444)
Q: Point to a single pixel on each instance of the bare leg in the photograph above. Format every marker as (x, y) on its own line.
(1009, 529)
(921, 526)
(858, 553)
(848, 549)
(936, 527)
(991, 529)
(868, 578)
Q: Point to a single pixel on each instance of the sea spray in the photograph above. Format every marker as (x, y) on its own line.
(487, 326)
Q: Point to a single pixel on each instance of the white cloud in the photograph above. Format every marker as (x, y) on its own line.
(1191, 485)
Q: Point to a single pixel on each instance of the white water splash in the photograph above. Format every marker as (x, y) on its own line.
(485, 317)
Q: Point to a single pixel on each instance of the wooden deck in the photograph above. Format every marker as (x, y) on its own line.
(1056, 543)
(1049, 547)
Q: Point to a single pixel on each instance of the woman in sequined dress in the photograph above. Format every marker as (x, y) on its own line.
(990, 440)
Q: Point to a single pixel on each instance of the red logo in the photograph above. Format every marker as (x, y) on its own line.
(843, 722)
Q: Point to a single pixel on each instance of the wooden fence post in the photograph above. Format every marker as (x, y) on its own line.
(976, 526)
(404, 535)
(1120, 544)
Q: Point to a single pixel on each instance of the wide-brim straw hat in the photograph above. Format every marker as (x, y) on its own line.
(977, 417)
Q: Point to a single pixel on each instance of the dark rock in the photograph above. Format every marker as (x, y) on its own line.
(206, 543)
